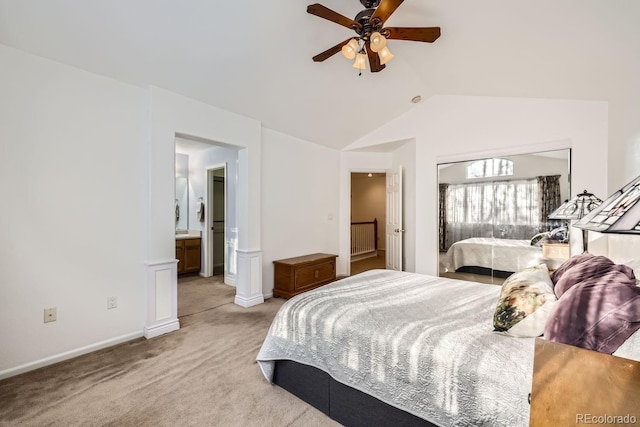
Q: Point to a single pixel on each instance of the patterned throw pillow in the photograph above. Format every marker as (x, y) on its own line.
(525, 303)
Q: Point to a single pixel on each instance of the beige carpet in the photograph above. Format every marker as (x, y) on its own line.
(205, 374)
(197, 294)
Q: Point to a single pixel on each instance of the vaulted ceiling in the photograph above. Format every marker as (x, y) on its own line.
(254, 57)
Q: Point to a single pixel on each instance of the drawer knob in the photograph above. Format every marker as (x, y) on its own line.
(317, 274)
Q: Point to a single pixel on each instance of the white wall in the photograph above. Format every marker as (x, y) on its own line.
(624, 135)
(300, 202)
(453, 128)
(73, 176)
(87, 165)
(89, 159)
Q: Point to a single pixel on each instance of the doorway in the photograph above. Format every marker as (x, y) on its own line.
(211, 215)
(216, 228)
(368, 221)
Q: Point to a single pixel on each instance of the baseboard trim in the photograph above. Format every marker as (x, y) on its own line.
(68, 355)
(267, 296)
(161, 328)
(355, 258)
(248, 302)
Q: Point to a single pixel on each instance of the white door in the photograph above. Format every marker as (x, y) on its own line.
(394, 230)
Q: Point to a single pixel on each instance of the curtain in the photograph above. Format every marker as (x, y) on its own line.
(548, 195)
(442, 206)
(500, 209)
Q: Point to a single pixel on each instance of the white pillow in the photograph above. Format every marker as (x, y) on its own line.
(525, 303)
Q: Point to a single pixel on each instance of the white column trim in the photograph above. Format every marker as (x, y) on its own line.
(249, 278)
(155, 323)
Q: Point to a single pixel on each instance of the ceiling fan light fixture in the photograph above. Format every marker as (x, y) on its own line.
(377, 41)
(349, 50)
(385, 55)
(372, 35)
(361, 61)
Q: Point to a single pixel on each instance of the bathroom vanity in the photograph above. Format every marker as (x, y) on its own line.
(188, 249)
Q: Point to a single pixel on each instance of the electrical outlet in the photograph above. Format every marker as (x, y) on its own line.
(112, 302)
(50, 315)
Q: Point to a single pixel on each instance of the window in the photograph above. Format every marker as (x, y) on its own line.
(502, 209)
(488, 168)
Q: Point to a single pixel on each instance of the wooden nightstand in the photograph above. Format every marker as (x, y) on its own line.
(296, 275)
(556, 250)
(554, 254)
(572, 385)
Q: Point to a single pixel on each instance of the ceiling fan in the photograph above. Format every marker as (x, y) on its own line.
(372, 35)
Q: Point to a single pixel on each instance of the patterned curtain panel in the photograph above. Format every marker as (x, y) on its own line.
(443, 216)
(548, 195)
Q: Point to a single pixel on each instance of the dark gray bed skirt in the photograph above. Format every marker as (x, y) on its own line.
(484, 271)
(348, 406)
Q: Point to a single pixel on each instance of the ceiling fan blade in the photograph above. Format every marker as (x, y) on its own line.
(385, 9)
(330, 52)
(328, 14)
(427, 34)
(374, 60)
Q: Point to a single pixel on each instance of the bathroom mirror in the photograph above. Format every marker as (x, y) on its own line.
(494, 212)
(182, 192)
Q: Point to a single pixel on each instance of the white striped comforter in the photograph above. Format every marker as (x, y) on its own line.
(423, 344)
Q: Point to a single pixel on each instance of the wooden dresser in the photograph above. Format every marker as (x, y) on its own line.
(296, 275)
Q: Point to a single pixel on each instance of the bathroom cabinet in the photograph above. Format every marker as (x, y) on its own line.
(188, 255)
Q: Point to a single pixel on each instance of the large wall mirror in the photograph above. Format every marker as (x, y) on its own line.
(494, 214)
(182, 192)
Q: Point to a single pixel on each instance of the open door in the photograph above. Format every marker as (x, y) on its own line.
(394, 232)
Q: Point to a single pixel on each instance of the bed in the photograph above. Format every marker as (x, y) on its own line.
(395, 348)
(484, 255)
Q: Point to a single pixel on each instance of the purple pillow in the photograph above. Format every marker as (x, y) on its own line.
(584, 267)
(599, 313)
(574, 260)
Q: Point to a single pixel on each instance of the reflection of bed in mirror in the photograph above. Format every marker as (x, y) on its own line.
(491, 208)
(488, 255)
